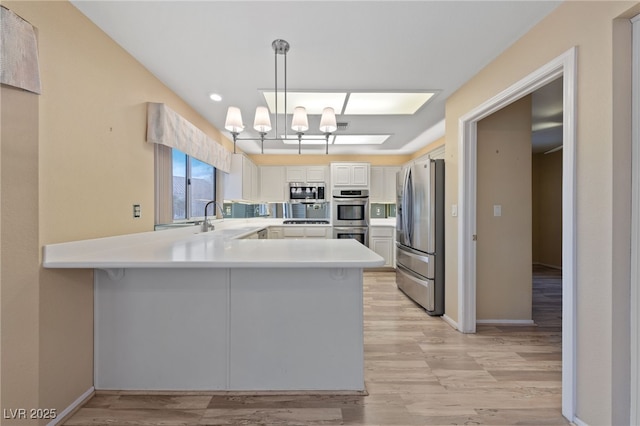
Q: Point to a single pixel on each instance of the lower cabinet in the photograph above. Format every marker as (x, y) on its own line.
(306, 232)
(382, 241)
(275, 233)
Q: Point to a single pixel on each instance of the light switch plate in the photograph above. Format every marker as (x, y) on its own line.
(454, 210)
(497, 210)
(137, 212)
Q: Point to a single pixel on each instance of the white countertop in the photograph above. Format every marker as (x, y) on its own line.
(221, 248)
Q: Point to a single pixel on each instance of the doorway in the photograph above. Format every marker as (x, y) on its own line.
(563, 66)
(519, 210)
(546, 191)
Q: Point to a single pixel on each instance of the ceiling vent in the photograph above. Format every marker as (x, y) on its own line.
(343, 125)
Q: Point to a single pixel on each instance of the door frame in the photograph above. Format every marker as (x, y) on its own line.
(564, 66)
(635, 225)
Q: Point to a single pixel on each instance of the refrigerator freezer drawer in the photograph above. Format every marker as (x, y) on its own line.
(421, 263)
(420, 290)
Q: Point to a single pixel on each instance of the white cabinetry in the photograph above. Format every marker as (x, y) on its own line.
(275, 233)
(242, 182)
(383, 184)
(350, 174)
(306, 232)
(272, 184)
(381, 241)
(306, 174)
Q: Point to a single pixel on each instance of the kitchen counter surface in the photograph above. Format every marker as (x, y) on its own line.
(222, 248)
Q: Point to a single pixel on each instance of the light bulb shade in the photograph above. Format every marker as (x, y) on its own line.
(328, 122)
(262, 122)
(300, 123)
(233, 122)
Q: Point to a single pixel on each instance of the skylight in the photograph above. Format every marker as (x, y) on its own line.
(351, 103)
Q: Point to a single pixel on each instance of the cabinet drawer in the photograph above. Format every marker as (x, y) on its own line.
(316, 232)
(381, 231)
(293, 232)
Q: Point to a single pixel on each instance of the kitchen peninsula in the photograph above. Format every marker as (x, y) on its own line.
(184, 310)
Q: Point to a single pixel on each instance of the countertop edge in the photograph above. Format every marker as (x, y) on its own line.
(119, 252)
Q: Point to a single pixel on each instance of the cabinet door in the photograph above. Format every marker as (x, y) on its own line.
(296, 174)
(293, 232)
(316, 174)
(272, 184)
(315, 232)
(377, 186)
(383, 247)
(340, 174)
(389, 184)
(360, 175)
(255, 190)
(275, 233)
(247, 179)
(241, 182)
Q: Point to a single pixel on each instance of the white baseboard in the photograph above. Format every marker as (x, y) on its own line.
(578, 422)
(74, 405)
(449, 321)
(505, 322)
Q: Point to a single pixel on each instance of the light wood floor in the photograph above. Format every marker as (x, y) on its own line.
(419, 371)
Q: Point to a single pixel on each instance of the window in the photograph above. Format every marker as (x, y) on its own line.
(194, 185)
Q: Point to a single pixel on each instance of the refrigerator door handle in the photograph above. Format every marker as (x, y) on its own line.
(408, 207)
(432, 205)
(419, 289)
(414, 253)
(418, 262)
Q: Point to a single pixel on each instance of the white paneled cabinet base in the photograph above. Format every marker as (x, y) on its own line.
(183, 310)
(230, 329)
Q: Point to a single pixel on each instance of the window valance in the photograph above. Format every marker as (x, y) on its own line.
(167, 127)
(18, 52)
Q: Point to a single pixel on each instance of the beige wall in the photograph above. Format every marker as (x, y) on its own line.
(19, 255)
(503, 280)
(89, 165)
(433, 145)
(547, 209)
(600, 209)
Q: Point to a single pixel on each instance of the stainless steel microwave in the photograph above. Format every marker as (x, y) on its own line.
(306, 192)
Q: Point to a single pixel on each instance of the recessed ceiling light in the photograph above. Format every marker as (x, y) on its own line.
(215, 97)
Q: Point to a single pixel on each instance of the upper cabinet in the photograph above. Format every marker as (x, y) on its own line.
(306, 174)
(383, 184)
(241, 183)
(272, 184)
(350, 174)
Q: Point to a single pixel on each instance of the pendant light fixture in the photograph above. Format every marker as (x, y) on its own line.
(262, 121)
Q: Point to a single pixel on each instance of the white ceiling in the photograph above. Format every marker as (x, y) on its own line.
(199, 47)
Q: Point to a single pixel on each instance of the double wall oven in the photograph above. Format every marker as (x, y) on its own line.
(350, 217)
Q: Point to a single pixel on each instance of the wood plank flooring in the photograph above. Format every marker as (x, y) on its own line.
(418, 371)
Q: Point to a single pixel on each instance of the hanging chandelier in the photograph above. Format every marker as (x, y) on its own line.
(262, 120)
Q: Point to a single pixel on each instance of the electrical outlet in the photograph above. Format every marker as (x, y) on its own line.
(137, 212)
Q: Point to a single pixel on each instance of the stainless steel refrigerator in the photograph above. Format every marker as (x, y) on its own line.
(420, 233)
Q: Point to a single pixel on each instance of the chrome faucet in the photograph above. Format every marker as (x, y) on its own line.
(206, 226)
